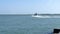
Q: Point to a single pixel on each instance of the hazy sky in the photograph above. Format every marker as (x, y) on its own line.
(29, 6)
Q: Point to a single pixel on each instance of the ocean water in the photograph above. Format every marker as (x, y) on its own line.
(20, 24)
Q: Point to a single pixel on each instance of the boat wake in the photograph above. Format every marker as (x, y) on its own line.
(37, 16)
(45, 16)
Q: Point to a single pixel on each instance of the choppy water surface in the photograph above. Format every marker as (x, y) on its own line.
(13, 24)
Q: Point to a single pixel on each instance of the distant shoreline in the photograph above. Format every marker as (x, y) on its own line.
(32, 14)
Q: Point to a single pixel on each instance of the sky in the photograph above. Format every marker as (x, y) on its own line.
(29, 6)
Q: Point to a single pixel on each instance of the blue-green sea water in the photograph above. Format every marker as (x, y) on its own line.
(20, 24)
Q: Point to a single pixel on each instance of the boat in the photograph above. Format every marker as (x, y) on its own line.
(37, 16)
(40, 16)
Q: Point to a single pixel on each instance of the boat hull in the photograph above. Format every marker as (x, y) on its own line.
(41, 16)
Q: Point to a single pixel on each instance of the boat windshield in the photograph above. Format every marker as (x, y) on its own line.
(35, 14)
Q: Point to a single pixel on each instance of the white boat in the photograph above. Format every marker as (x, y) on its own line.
(40, 16)
(37, 16)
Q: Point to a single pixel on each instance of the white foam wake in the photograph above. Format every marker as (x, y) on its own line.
(46, 16)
